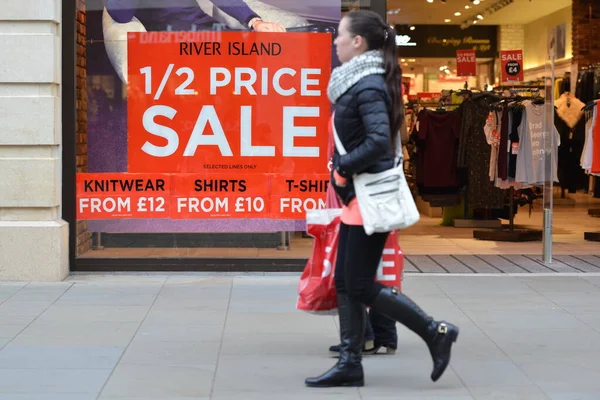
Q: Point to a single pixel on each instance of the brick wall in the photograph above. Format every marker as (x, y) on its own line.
(511, 37)
(84, 238)
(586, 32)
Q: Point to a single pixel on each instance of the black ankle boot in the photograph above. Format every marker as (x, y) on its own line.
(439, 336)
(348, 370)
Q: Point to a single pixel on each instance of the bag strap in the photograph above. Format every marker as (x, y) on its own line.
(338, 142)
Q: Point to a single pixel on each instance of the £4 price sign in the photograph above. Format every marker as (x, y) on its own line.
(512, 65)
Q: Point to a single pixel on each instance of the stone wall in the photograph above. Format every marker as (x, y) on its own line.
(33, 237)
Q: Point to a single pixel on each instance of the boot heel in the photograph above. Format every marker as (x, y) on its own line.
(455, 335)
(360, 383)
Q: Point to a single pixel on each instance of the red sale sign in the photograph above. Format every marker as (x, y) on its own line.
(104, 196)
(249, 102)
(512, 66)
(466, 63)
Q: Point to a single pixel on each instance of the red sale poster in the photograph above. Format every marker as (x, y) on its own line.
(256, 107)
(466, 63)
(222, 123)
(115, 196)
(512, 66)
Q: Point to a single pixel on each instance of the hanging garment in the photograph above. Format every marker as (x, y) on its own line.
(566, 85)
(595, 170)
(532, 149)
(596, 79)
(474, 154)
(585, 86)
(506, 152)
(516, 111)
(588, 148)
(437, 141)
(492, 134)
(557, 86)
(504, 145)
(570, 124)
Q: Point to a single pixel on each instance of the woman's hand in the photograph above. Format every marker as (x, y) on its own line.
(264, 26)
(340, 181)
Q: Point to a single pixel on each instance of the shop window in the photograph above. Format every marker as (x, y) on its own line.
(197, 137)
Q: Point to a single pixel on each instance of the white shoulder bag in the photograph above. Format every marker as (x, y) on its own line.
(384, 199)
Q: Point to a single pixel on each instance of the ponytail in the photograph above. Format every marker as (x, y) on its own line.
(393, 77)
(381, 36)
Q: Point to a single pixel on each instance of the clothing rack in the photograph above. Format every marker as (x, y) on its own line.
(441, 104)
(510, 233)
(467, 222)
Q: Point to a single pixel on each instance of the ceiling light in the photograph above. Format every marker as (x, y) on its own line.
(430, 1)
(457, 14)
(474, 22)
(412, 60)
(403, 60)
(476, 2)
(412, 28)
(467, 7)
(479, 16)
(447, 20)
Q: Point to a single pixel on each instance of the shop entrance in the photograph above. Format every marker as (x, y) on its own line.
(222, 211)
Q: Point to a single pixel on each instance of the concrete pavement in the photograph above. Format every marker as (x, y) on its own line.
(183, 337)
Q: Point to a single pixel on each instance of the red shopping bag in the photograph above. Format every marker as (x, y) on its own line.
(316, 289)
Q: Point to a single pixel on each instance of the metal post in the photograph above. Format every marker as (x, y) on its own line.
(284, 242)
(98, 241)
(549, 162)
(547, 256)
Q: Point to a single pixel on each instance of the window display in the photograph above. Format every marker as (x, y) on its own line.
(204, 118)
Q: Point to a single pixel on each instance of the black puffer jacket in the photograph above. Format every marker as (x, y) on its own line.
(363, 124)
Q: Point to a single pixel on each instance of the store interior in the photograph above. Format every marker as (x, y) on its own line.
(448, 226)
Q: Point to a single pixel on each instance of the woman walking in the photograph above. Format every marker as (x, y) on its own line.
(368, 109)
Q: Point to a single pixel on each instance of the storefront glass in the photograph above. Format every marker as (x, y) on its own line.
(198, 136)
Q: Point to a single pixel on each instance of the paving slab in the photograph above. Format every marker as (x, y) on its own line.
(159, 381)
(426, 264)
(502, 264)
(59, 357)
(180, 337)
(42, 382)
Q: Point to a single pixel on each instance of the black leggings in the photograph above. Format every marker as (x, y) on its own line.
(357, 262)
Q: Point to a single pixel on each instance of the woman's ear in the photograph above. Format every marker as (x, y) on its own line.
(357, 42)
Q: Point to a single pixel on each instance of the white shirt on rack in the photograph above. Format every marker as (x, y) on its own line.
(587, 156)
(532, 147)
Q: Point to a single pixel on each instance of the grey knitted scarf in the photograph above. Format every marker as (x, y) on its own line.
(346, 75)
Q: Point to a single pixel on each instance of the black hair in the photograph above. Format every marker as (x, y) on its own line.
(381, 36)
